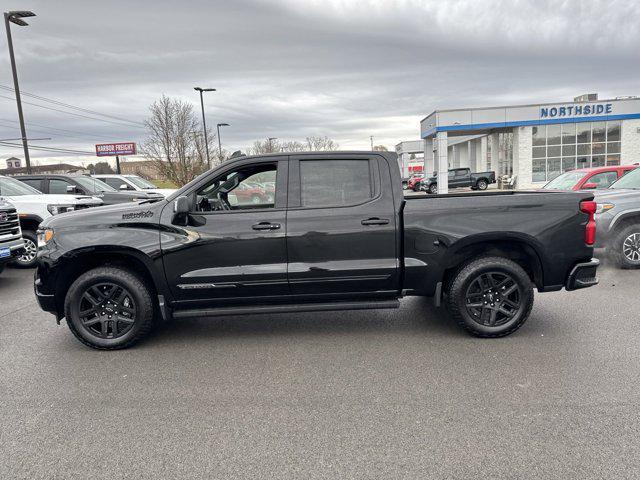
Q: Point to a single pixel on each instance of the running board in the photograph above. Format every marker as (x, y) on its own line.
(302, 307)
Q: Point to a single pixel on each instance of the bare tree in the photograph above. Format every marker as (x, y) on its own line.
(380, 148)
(317, 144)
(175, 142)
(311, 144)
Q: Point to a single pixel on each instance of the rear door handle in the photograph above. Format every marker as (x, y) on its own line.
(375, 221)
(266, 226)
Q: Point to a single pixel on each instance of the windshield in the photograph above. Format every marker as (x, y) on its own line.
(94, 185)
(630, 180)
(566, 181)
(140, 182)
(13, 188)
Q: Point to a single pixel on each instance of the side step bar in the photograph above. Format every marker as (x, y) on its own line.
(302, 307)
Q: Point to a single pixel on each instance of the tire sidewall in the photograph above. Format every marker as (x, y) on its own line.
(140, 296)
(482, 185)
(433, 188)
(618, 243)
(458, 298)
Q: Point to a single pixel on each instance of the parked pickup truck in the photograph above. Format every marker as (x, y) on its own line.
(11, 245)
(338, 235)
(460, 177)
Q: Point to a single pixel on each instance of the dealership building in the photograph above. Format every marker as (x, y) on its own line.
(530, 143)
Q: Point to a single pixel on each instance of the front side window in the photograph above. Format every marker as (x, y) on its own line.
(603, 179)
(59, 187)
(335, 183)
(242, 189)
(93, 185)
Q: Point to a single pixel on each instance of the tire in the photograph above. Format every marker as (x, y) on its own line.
(256, 199)
(433, 189)
(482, 184)
(475, 311)
(101, 331)
(30, 257)
(404, 186)
(625, 247)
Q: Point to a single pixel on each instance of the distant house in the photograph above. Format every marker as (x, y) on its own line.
(55, 168)
(144, 168)
(13, 162)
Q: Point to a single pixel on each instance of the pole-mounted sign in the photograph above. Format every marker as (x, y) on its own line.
(113, 149)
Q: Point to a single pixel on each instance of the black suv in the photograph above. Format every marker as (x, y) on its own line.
(84, 185)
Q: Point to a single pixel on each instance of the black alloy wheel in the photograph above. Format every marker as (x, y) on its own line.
(107, 310)
(493, 299)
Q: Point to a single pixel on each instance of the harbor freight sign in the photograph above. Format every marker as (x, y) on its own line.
(113, 149)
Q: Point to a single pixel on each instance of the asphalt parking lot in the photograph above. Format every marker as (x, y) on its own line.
(380, 394)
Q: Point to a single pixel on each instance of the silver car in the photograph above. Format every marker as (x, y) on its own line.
(618, 220)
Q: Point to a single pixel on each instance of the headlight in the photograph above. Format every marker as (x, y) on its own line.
(603, 207)
(44, 236)
(56, 209)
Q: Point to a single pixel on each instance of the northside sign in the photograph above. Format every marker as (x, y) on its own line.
(113, 149)
(582, 110)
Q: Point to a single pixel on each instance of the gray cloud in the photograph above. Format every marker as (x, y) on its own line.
(291, 68)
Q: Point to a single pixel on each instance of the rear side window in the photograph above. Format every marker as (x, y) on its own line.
(35, 183)
(335, 183)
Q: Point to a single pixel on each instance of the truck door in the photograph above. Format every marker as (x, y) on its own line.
(233, 248)
(341, 226)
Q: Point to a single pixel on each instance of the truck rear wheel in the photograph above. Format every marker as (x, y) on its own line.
(625, 248)
(490, 297)
(482, 184)
(109, 308)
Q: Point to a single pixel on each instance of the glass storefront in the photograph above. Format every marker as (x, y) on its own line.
(558, 148)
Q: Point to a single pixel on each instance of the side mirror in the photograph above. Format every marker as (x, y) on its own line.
(181, 211)
(590, 186)
(71, 189)
(124, 186)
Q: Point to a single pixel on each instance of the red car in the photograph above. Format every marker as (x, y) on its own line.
(589, 178)
(414, 181)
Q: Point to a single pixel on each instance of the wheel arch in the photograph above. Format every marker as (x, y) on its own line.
(29, 222)
(520, 248)
(623, 220)
(77, 262)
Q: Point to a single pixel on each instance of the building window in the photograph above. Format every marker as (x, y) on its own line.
(559, 148)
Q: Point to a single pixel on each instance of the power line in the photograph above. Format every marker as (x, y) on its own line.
(68, 105)
(49, 149)
(46, 129)
(75, 114)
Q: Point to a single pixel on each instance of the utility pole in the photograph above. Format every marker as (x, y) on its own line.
(16, 17)
(371, 138)
(204, 122)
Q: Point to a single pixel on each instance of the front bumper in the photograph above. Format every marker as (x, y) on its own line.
(583, 275)
(16, 248)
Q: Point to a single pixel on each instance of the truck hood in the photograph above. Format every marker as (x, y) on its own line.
(118, 213)
(53, 200)
(611, 195)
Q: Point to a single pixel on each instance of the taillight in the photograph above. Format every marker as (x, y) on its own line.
(589, 207)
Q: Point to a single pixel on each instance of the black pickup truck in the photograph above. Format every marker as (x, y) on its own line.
(338, 235)
(460, 178)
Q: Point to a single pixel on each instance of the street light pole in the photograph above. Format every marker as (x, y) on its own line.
(204, 122)
(371, 138)
(220, 141)
(16, 17)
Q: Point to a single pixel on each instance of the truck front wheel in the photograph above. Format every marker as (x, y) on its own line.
(30, 256)
(433, 188)
(491, 297)
(109, 308)
(625, 247)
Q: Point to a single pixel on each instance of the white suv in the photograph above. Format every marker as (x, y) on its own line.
(132, 182)
(33, 207)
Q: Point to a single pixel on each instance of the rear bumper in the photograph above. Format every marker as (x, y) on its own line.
(583, 275)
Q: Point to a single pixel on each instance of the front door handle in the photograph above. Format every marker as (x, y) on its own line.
(375, 221)
(266, 226)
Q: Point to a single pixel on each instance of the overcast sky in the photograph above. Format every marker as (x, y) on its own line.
(292, 68)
